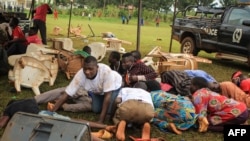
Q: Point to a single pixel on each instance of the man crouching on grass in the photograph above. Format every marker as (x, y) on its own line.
(102, 84)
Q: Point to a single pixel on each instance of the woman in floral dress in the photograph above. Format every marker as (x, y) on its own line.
(173, 112)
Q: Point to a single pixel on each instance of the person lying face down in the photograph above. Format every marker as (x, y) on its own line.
(172, 112)
(14, 106)
(230, 90)
(215, 110)
(133, 105)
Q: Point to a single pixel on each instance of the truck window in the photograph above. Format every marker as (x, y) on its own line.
(237, 16)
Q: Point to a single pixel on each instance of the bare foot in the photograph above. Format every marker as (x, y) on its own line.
(173, 128)
(146, 131)
(203, 124)
(120, 133)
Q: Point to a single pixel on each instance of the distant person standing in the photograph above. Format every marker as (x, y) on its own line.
(83, 14)
(89, 16)
(123, 19)
(55, 14)
(40, 20)
(157, 21)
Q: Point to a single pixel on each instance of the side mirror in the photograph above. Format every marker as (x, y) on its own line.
(246, 22)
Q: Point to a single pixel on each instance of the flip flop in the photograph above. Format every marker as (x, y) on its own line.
(103, 134)
(120, 133)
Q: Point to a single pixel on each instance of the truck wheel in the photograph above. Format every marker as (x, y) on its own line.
(188, 46)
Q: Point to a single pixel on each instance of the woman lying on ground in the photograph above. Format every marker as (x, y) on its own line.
(215, 110)
(172, 112)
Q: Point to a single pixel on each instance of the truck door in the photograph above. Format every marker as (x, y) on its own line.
(232, 35)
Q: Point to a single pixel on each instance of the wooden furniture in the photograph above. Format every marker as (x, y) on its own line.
(162, 61)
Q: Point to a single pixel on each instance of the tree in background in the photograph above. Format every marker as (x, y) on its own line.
(182, 4)
(228, 2)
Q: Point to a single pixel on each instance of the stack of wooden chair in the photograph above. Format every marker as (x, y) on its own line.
(162, 61)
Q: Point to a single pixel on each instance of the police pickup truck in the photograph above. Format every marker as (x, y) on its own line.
(225, 31)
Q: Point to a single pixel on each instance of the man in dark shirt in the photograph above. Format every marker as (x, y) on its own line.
(136, 71)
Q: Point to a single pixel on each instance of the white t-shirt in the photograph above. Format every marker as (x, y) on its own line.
(106, 80)
(135, 94)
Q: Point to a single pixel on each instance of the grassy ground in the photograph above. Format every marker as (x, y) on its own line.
(221, 70)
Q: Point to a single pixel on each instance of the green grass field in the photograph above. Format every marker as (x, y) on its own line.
(220, 69)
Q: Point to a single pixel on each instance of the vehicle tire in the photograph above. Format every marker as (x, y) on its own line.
(188, 46)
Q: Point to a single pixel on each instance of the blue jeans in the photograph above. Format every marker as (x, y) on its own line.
(97, 101)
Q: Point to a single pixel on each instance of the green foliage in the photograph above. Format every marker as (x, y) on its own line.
(228, 2)
(111, 11)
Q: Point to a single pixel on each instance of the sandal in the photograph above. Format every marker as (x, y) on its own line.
(103, 134)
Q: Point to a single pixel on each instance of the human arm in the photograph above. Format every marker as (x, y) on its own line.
(15, 40)
(32, 13)
(105, 106)
(142, 73)
(49, 10)
(117, 101)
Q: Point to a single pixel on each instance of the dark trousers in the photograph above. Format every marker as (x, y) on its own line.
(237, 121)
(41, 26)
(16, 48)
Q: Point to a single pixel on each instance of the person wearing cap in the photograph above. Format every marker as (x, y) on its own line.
(241, 81)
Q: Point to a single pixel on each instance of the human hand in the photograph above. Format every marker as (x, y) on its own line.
(50, 106)
(133, 78)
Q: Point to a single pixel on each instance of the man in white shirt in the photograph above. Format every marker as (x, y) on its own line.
(102, 84)
(134, 105)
